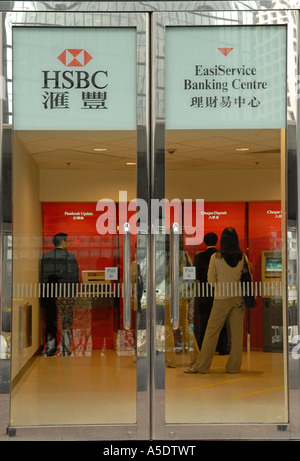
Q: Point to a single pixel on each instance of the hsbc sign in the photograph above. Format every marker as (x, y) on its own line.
(76, 87)
(226, 77)
(75, 79)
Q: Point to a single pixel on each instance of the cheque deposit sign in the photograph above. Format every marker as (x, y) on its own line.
(74, 78)
(226, 77)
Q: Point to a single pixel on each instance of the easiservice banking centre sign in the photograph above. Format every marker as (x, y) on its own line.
(226, 77)
(74, 78)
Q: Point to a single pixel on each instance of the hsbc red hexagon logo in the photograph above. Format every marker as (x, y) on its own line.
(74, 57)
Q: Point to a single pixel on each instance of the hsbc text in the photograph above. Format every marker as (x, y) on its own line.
(74, 79)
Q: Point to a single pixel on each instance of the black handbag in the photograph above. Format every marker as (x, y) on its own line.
(247, 286)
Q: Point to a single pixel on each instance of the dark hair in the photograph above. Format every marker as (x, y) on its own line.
(229, 246)
(58, 238)
(210, 239)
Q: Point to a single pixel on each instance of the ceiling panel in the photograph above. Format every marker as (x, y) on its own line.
(190, 149)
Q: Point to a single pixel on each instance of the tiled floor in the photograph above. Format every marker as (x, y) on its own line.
(101, 389)
(255, 395)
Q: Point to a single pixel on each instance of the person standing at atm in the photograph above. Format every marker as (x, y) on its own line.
(58, 274)
(205, 301)
(225, 269)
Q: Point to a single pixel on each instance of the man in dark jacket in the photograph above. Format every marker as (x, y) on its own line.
(58, 275)
(205, 301)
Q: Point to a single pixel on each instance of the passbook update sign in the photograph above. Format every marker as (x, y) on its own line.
(74, 78)
(226, 77)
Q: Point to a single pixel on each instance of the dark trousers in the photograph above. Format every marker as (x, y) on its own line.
(50, 306)
(65, 306)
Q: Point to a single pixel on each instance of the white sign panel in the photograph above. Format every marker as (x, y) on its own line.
(226, 77)
(111, 273)
(189, 273)
(74, 78)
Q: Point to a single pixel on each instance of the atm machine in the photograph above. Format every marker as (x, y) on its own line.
(97, 287)
(271, 277)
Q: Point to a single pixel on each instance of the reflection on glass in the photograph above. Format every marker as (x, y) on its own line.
(187, 339)
(255, 392)
(73, 361)
(59, 274)
(5, 326)
(292, 289)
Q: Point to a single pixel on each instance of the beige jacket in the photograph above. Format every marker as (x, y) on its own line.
(224, 278)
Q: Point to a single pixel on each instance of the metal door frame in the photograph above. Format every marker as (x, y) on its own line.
(140, 22)
(154, 142)
(160, 22)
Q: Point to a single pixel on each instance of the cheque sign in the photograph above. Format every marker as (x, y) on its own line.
(226, 77)
(74, 78)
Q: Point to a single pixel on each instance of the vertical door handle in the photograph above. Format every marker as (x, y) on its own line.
(126, 278)
(175, 275)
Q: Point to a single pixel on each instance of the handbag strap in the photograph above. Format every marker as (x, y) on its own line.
(246, 265)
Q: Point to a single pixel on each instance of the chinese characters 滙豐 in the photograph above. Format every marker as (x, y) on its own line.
(56, 100)
(60, 100)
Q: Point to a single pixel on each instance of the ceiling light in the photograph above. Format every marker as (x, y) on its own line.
(130, 163)
(100, 149)
(242, 149)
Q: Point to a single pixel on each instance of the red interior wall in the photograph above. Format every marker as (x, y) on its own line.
(264, 230)
(232, 214)
(94, 251)
(261, 228)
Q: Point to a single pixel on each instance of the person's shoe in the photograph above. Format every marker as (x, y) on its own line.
(170, 365)
(51, 346)
(224, 352)
(50, 353)
(191, 371)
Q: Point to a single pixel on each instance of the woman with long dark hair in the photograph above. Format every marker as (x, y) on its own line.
(224, 274)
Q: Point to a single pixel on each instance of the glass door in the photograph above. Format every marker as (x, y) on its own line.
(111, 304)
(220, 153)
(79, 248)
